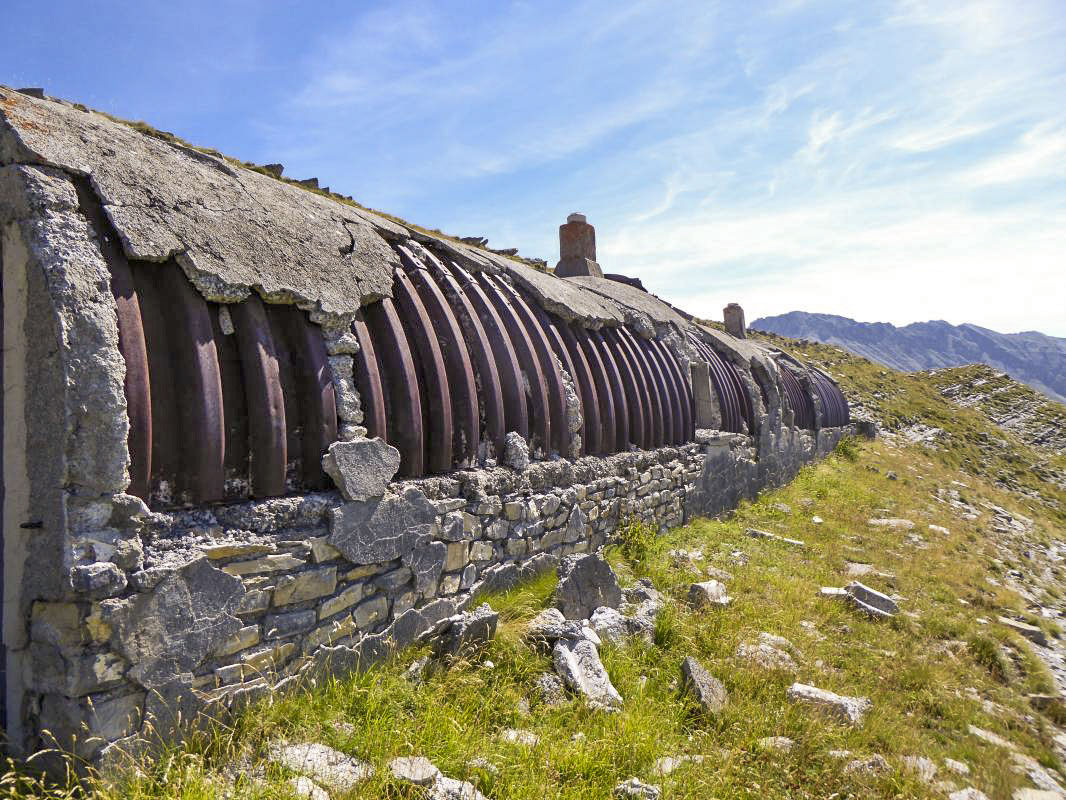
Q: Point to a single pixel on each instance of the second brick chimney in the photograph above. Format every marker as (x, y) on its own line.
(577, 249)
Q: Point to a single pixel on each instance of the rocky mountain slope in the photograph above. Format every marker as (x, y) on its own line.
(1030, 357)
(887, 625)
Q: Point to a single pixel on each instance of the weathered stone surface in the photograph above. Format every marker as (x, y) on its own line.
(609, 625)
(550, 690)
(578, 665)
(453, 789)
(467, 630)
(322, 764)
(925, 768)
(515, 452)
(161, 197)
(173, 629)
(518, 736)
(381, 529)
(707, 594)
(845, 709)
(1030, 632)
(969, 793)
(101, 579)
(766, 656)
(874, 765)
(635, 788)
(708, 690)
(361, 468)
(306, 789)
(632, 298)
(871, 601)
(305, 586)
(894, 523)
(414, 769)
(586, 582)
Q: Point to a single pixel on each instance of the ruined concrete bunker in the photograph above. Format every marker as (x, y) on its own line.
(253, 432)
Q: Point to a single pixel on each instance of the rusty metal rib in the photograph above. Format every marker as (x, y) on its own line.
(636, 392)
(592, 427)
(263, 394)
(724, 386)
(534, 384)
(290, 399)
(198, 386)
(396, 366)
(480, 349)
(315, 395)
(608, 425)
(558, 346)
(560, 432)
(436, 390)
(510, 373)
(671, 404)
(235, 464)
(166, 432)
(688, 429)
(675, 389)
(618, 393)
(454, 352)
(658, 414)
(368, 381)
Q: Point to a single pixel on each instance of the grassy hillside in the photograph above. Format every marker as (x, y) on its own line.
(944, 664)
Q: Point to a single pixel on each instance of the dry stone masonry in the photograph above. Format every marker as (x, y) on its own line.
(253, 433)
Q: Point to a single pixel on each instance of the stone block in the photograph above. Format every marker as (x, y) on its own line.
(279, 626)
(322, 550)
(58, 624)
(458, 556)
(270, 563)
(370, 612)
(343, 601)
(449, 584)
(361, 468)
(305, 586)
(246, 637)
(481, 551)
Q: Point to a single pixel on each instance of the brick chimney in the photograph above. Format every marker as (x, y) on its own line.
(577, 249)
(734, 320)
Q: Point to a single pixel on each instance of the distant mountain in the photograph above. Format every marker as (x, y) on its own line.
(1030, 357)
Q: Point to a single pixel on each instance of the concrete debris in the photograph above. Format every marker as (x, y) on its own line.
(851, 710)
(515, 452)
(361, 468)
(468, 630)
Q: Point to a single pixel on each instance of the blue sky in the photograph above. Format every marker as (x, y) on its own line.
(888, 161)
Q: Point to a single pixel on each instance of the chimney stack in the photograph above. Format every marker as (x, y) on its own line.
(734, 320)
(577, 249)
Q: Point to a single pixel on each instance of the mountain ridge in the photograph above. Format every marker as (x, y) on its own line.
(1031, 357)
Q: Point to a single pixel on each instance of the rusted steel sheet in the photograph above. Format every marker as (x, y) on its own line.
(235, 416)
(656, 406)
(516, 410)
(622, 435)
(289, 396)
(263, 394)
(456, 358)
(608, 424)
(558, 346)
(686, 431)
(671, 403)
(315, 396)
(798, 399)
(724, 384)
(480, 350)
(198, 385)
(592, 428)
(131, 342)
(636, 392)
(436, 390)
(368, 381)
(656, 385)
(400, 380)
(166, 431)
(534, 383)
(835, 411)
(549, 368)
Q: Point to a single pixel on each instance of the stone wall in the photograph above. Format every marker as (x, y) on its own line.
(233, 602)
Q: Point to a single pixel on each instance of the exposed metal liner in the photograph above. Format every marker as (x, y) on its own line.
(798, 400)
(368, 380)
(654, 395)
(592, 430)
(835, 411)
(635, 391)
(726, 384)
(670, 410)
(608, 425)
(643, 405)
(618, 393)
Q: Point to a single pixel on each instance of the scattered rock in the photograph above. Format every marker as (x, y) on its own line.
(483, 764)
(414, 769)
(304, 788)
(755, 533)
(468, 630)
(780, 642)
(718, 574)
(817, 520)
(634, 788)
(549, 626)
(845, 709)
(586, 582)
(708, 690)
(782, 508)
(893, 523)
(874, 765)
(453, 789)
(1030, 632)
(780, 744)
(1036, 794)
(944, 531)
(609, 625)
(766, 656)
(991, 738)
(517, 736)
(361, 468)
(416, 673)
(708, 593)
(923, 767)
(578, 665)
(667, 764)
(870, 601)
(322, 764)
(968, 793)
(956, 766)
